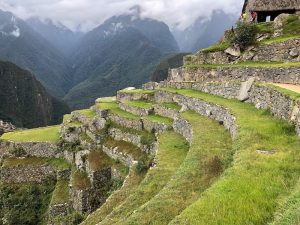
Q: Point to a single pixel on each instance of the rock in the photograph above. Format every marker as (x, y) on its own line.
(129, 89)
(294, 52)
(234, 51)
(245, 88)
(266, 152)
(278, 24)
(248, 56)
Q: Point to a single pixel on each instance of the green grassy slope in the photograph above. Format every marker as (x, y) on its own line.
(205, 161)
(250, 191)
(171, 153)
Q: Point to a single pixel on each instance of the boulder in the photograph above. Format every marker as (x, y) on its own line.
(233, 51)
(294, 52)
(245, 89)
(278, 24)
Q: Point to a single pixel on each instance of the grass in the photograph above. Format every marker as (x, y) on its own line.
(209, 154)
(291, 25)
(221, 46)
(171, 153)
(80, 180)
(46, 134)
(61, 193)
(171, 105)
(118, 197)
(106, 99)
(125, 147)
(140, 104)
(139, 91)
(114, 108)
(159, 119)
(247, 64)
(99, 160)
(280, 39)
(66, 118)
(89, 113)
(266, 28)
(289, 210)
(59, 164)
(250, 191)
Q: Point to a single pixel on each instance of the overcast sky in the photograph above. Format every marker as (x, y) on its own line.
(90, 13)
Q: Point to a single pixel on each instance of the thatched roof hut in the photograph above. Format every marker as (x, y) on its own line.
(271, 8)
(272, 5)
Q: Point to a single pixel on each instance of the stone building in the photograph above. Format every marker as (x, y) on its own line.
(268, 10)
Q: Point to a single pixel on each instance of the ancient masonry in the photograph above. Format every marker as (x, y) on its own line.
(121, 132)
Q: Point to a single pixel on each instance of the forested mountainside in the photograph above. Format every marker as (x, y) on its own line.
(122, 52)
(24, 101)
(170, 62)
(57, 34)
(20, 44)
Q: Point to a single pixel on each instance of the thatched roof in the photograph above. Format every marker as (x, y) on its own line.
(272, 5)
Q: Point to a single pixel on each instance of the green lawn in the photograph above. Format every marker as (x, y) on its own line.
(114, 108)
(61, 193)
(171, 153)
(249, 192)
(140, 104)
(209, 154)
(159, 119)
(45, 134)
(117, 198)
(139, 91)
(284, 91)
(221, 46)
(89, 113)
(171, 105)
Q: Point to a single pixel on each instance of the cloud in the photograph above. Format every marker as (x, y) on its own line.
(87, 14)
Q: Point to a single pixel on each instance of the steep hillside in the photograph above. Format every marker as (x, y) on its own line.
(162, 70)
(20, 44)
(204, 32)
(57, 34)
(24, 101)
(120, 53)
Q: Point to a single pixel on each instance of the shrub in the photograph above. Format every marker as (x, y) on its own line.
(245, 35)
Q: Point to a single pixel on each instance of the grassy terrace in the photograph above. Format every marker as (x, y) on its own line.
(60, 164)
(80, 180)
(99, 160)
(172, 151)
(125, 147)
(250, 191)
(209, 154)
(159, 119)
(61, 193)
(247, 64)
(118, 197)
(89, 113)
(46, 134)
(139, 91)
(284, 91)
(140, 104)
(114, 108)
(171, 105)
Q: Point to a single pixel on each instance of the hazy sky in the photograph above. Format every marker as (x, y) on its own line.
(90, 13)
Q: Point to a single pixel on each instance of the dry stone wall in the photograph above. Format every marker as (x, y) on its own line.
(131, 96)
(183, 127)
(116, 154)
(289, 75)
(135, 110)
(27, 174)
(125, 122)
(166, 112)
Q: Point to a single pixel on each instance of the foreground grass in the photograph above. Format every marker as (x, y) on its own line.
(209, 154)
(289, 211)
(129, 187)
(250, 191)
(171, 153)
(45, 134)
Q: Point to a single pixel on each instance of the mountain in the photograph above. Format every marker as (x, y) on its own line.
(57, 34)
(20, 44)
(24, 101)
(204, 32)
(170, 62)
(122, 52)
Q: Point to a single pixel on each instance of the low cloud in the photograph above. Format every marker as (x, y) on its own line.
(86, 14)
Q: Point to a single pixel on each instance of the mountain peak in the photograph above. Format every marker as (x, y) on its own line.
(9, 24)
